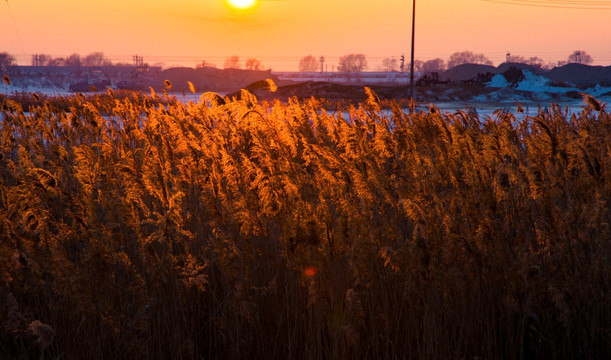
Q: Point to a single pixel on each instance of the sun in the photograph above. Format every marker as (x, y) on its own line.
(242, 4)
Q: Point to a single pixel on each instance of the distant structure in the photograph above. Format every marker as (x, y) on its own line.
(138, 61)
(402, 63)
(36, 60)
(508, 57)
(322, 64)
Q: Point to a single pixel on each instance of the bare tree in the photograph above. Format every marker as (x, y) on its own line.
(467, 57)
(41, 59)
(6, 59)
(417, 65)
(536, 62)
(308, 64)
(435, 65)
(73, 60)
(390, 65)
(205, 64)
(352, 63)
(59, 61)
(232, 62)
(580, 57)
(96, 59)
(253, 64)
(517, 59)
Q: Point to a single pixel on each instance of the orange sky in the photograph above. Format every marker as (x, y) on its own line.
(280, 32)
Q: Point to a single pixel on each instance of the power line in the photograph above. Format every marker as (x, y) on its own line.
(584, 4)
(10, 11)
(571, 4)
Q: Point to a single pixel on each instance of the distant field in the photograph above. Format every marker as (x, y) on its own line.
(139, 226)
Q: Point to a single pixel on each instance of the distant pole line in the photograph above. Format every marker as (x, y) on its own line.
(411, 75)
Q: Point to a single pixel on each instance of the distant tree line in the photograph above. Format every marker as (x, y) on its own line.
(233, 62)
(6, 59)
(94, 59)
(358, 62)
(309, 63)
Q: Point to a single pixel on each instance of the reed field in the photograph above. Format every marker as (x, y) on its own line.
(142, 227)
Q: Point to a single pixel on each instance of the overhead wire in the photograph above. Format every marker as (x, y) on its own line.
(10, 11)
(570, 4)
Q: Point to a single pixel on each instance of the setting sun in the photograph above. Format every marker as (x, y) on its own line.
(241, 4)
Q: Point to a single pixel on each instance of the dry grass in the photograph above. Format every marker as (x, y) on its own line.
(237, 229)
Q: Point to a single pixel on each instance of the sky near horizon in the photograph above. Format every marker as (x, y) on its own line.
(280, 32)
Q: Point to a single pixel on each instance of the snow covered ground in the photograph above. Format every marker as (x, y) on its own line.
(539, 86)
(531, 91)
(599, 91)
(484, 110)
(46, 88)
(531, 82)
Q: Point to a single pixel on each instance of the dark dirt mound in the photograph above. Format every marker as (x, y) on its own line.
(467, 72)
(356, 93)
(481, 73)
(461, 83)
(209, 79)
(581, 75)
(329, 91)
(513, 75)
(506, 66)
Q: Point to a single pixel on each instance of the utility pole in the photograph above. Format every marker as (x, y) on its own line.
(411, 75)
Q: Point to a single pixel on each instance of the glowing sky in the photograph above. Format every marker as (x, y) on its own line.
(280, 32)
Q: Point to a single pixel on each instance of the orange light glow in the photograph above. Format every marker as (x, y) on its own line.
(242, 4)
(310, 271)
(280, 33)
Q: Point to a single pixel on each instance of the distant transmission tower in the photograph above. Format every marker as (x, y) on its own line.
(322, 64)
(138, 61)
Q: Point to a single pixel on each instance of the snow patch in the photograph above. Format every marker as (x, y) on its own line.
(498, 81)
(537, 83)
(531, 82)
(41, 87)
(598, 91)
